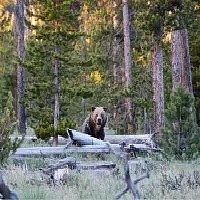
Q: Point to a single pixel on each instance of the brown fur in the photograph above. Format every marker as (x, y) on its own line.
(94, 124)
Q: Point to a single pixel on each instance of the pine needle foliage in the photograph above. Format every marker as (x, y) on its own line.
(52, 40)
(180, 139)
(8, 125)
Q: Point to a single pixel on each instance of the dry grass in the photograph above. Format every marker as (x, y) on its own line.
(168, 180)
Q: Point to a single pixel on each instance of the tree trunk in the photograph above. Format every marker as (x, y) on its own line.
(19, 26)
(147, 125)
(158, 91)
(115, 46)
(181, 69)
(56, 98)
(27, 18)
(127, 66)
(56, 65)
(117, 69)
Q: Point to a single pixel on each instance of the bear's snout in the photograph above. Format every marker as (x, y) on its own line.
(99, 121)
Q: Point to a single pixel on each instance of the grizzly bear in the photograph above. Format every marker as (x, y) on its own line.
(94, 124)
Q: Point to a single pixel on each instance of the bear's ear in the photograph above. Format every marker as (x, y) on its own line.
(105, 109)
(93, 108)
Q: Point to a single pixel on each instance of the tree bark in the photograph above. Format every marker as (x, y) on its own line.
(181, 68)
(19, 26)
(127, 66)
(56, 65)
(56, 99)
(147, 125)
(27, 18)
(115, 45)
(158, 88)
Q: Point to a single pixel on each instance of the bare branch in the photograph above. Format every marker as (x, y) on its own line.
(146, 175)
(121, 194)
(131, 185)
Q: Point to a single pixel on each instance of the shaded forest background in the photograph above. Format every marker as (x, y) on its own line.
(72, 58)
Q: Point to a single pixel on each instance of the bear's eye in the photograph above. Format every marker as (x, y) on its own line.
(102, 115)
(96, 115)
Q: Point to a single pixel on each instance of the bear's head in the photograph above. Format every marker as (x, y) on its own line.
(99, 117)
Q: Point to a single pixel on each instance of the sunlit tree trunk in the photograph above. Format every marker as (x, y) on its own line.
(158, 91)
(127, 66)
(116, 63)
(181, 68)
(115, 46)
(27, 29)
(19, 26)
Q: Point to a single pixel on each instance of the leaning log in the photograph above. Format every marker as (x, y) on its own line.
(5, 191)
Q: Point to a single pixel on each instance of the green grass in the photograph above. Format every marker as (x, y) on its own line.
(164, 182)
(87, 186)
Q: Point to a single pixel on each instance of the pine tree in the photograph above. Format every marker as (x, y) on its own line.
(7, 49)
(50, 48)
(178, 138)
(8, 124)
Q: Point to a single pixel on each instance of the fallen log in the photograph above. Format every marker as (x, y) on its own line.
(63, 151)
(137, 140)
(113, 139)
(116, 139)
(71, 163)
(130, 139)
(83, 139)
(57, 151)
(95, 165)
(86, 144)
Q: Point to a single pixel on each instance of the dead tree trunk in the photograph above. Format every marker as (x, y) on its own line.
(19, 27)
(158, 89)
(127, 66)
